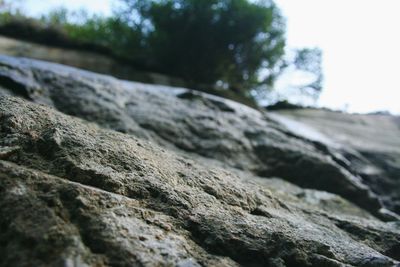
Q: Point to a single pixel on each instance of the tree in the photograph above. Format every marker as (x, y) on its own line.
(213, 45)
(309, 60)
(209, 41)
(300, 81)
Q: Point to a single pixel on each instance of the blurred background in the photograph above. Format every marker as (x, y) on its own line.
(338, 54)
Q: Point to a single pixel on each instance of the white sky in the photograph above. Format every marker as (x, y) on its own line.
(34, 7)
(360, 40)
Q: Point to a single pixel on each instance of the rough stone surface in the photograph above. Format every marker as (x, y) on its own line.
(156, 176)
(81, 59)
(370, 143)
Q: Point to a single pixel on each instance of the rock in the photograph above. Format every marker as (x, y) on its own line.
(283, 105)
(369, 143)
(186, 121)
(74, 194)
(138, 174)
(84, 56)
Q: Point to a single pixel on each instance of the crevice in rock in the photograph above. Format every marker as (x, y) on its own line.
(14, 86)
(273, 250)
(386, 243)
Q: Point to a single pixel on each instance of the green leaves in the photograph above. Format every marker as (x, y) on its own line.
(309, 60)
(216, 44)
(206, 41)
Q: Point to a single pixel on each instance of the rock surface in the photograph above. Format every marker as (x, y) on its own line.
(150, 176)
(92, 61)
(371, 144)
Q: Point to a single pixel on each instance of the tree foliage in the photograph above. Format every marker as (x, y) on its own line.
(310, 60)
(209, 41)
(229, 44)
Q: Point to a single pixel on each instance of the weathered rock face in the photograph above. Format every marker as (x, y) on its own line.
(92, 61)
(370, 143)
(179, 185)
(183, 120)
(72, 193)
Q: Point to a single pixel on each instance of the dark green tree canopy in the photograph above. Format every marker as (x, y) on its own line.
(209, 41)
(210, 44)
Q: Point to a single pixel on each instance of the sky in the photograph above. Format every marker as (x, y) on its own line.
(360, 41)
(35, 7)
